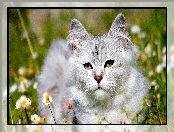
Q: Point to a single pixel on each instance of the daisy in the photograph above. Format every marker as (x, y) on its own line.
(21, 87)
(35, 85)
(135, 29)
(24, 102)
(159, 68)
(37, 119)
(22, 71)
(24, 83)
(46, 99)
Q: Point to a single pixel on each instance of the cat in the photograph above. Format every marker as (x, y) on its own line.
(92, 79)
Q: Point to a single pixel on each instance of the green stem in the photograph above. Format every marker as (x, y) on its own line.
(52, 113)
(28, 120)
(11, 114)
(158, 111)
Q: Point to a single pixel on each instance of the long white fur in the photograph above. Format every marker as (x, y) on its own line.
(64, 77)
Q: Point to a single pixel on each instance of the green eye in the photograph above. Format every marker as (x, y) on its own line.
(109, 63)
(88, 66)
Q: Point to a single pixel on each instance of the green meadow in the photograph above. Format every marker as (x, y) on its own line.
(31, 32)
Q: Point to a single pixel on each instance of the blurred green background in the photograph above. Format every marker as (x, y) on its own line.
(31, 35)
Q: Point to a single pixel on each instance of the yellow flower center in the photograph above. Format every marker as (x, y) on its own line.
(41, 121)
(31, 71)
(24, 81)
(47, 100)
(24, 103)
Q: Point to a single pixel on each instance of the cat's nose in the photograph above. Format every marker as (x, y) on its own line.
(98, 78)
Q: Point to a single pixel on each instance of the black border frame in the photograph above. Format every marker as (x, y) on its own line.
(8, 10)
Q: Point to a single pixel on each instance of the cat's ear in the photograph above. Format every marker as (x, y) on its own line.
(77, 33)
(118, 27)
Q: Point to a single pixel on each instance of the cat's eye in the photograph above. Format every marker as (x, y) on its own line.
(88, 66)
(109, 63)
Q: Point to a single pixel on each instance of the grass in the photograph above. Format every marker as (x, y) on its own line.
(44, 30)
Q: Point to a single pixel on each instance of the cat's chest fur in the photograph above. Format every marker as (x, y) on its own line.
(89, 111)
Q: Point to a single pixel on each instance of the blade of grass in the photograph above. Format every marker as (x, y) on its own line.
(25, 31)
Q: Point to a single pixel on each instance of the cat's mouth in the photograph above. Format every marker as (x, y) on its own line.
(100, 88)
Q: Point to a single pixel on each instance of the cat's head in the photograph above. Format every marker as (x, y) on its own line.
(100, 63)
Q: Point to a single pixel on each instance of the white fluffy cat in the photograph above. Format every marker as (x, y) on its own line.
(92, 79)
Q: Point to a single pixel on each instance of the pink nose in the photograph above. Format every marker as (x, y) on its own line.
(98, 78)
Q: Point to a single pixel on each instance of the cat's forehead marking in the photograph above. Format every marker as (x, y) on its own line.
(97, 51)
(97, 43)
